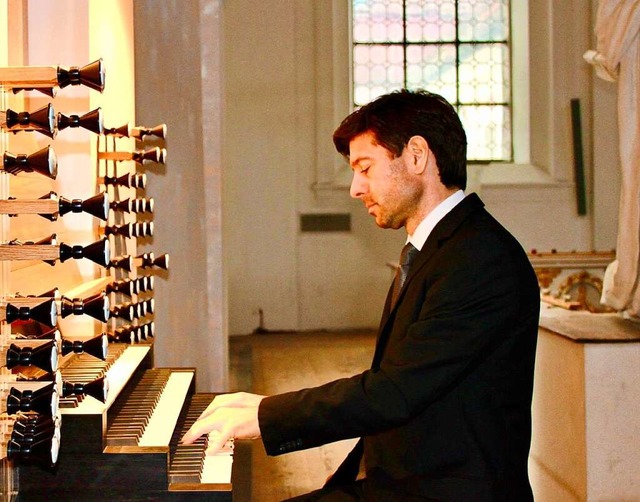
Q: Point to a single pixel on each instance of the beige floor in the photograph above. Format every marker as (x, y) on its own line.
(273, 363)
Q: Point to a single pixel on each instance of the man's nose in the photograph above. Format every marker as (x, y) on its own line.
(359, 185)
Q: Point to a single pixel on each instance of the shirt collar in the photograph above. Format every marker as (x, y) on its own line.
(425, 227)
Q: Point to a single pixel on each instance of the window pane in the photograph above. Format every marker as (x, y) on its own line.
(486, 20)
(377, 21)
(488, 131)
(431, 20)
(484, 73)
(377, 69)
(433, 67)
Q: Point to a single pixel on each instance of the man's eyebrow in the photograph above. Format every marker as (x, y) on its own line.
(357, 160)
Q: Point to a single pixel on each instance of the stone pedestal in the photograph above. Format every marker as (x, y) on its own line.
(586, 408)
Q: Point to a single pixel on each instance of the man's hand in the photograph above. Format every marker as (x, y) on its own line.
(227, 416)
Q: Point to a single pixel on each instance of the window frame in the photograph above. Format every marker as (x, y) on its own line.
(339, 68)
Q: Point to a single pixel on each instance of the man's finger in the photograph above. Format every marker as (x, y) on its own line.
(198, 428)
(217, 441)
(190, 436)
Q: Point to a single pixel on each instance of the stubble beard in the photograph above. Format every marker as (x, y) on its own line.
(404, 198)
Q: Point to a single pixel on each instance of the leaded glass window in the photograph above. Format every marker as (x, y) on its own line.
(456, 48)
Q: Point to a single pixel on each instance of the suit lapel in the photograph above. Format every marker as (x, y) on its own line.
(441, 232)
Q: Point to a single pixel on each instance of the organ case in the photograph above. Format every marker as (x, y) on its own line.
(120, 418)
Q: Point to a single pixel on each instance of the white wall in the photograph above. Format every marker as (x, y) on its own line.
(286, 88)
(279, 116)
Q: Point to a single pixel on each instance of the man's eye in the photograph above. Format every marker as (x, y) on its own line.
(364, 169)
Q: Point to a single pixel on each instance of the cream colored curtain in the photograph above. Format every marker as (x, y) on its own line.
(617, 58)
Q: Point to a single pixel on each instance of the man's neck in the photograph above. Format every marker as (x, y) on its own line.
(431, 201)
(424, 228)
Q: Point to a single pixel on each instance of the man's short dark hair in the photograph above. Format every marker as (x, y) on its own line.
(394, 118)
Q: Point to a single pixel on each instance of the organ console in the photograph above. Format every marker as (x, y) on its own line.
(88, 416)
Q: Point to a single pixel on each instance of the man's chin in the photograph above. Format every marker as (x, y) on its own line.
(385, 223)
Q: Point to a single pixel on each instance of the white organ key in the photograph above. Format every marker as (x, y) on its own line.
(163, 420)
(119, 373)
(217, 468)
(117, 377)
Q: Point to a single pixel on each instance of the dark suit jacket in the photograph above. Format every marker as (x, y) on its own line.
(445, 410)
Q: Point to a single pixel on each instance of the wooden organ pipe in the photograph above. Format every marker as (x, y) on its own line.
(20, 78)
(95, 346)
(44, 311)
(43, 120)
(30, 438)
(43, 162)
(25, 308)
(30, 353)
(91, 121)
(130, 287)
(144, 261)
(126, 180)
(98, 388)
(96, 306)
(50, 206)
(137, 132)
(132, 334)
(20, 398)
(139, 229)
(49, 251)
(148, 260)
(137, 205)
(155, 155)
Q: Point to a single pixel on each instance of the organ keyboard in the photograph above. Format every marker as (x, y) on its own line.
(128, 447)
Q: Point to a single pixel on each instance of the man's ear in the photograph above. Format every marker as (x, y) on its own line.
(418, 150)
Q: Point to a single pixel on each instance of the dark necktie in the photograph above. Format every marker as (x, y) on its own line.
(409, 252)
